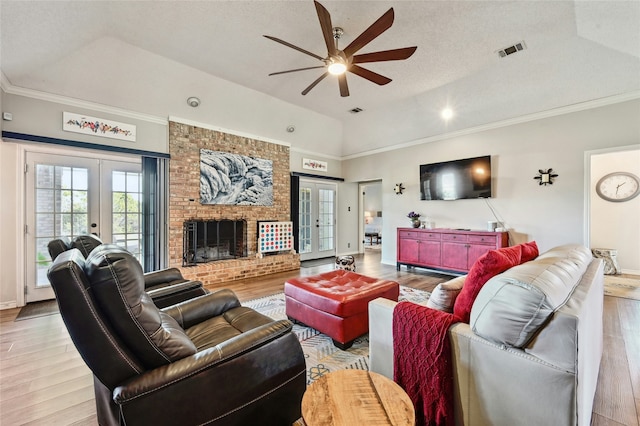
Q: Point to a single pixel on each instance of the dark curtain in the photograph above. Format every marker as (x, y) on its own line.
(154, 212)
(295, 209)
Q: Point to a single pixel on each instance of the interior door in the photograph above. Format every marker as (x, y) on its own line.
(317, 220)
(64, 195)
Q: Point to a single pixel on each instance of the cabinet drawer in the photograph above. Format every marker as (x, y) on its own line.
(482, 239)
(408, 234)
(454, 237)
(433, 236)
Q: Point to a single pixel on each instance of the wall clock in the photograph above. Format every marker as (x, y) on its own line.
(618, 186)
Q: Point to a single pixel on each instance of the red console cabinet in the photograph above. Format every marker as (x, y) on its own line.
(446, 249)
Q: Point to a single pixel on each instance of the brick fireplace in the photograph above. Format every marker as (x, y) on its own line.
(185, 142)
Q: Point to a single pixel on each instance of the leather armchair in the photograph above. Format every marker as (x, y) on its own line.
(206, 360)
(166, 287)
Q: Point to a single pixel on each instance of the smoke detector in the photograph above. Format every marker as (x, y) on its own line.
(511, 49)
(193, 102)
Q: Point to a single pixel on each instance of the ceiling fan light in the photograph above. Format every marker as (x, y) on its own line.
(337, 68)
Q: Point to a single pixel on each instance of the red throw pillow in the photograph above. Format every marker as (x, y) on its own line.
(487, 266)
(529, 251)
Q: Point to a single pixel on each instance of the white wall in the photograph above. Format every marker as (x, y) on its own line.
(44, 118)
(551, 215)
(347, 218)
(373, 196)
(616, 225)
(9, 234)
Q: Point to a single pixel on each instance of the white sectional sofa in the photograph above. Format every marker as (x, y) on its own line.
(532, 350)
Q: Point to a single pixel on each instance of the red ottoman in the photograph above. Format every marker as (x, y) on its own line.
(335, 303)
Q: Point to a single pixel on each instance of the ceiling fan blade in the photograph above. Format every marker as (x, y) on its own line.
(327, 29)
(298, 69)
(312, 85)
(299, 49)
(381, 25)
(369, 75)
(385, 55)
(342, 82)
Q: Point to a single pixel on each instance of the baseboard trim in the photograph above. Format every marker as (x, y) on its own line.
(8, 305)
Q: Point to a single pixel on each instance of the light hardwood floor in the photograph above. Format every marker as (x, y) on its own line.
(43, 380)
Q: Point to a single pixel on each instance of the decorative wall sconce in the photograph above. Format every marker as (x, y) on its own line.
(546, 177)
(398, 188)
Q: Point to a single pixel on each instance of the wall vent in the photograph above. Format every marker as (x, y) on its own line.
(512, 49)
(355, 110)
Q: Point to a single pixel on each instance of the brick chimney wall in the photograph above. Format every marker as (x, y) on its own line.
(185, 142)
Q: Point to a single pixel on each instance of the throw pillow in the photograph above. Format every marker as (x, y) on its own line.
(529, 251)
(444, 295)
(487, 266)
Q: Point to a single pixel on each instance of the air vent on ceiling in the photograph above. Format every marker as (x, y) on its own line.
(512, 49)
(355, 110)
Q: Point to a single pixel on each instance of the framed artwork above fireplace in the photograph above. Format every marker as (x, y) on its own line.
(235, 179)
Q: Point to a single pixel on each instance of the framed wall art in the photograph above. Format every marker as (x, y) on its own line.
(234, 179)
(87, 125)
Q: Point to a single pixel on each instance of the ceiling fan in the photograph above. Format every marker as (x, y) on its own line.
(339, 61)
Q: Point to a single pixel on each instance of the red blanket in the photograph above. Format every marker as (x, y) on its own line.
(422, 361)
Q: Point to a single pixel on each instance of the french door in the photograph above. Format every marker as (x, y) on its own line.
(317, 220)
(68, 196)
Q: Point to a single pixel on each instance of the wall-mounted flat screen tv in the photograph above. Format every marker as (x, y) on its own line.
(455, 180)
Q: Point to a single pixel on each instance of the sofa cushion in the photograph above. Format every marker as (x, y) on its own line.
(488, 265)
(117, 282)
(512, 306)
(444, 295)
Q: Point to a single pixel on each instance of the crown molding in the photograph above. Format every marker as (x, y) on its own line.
(226, 130)
(78, 103)
(316, 154)
(582, 106)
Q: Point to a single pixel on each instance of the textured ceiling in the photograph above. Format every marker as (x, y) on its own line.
(576, 52)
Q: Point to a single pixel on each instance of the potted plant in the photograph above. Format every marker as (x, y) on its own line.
(415, 219)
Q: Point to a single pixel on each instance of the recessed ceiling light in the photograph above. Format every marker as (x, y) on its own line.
(447, 113)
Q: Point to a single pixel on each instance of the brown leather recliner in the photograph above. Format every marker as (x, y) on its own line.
(207, 360)
(166, 287)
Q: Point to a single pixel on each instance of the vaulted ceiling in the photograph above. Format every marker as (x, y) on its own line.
(576, 51)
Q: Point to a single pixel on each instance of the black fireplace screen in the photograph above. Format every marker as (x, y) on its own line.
(211, 240)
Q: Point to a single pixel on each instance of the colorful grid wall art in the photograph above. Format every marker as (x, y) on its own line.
(275, 236)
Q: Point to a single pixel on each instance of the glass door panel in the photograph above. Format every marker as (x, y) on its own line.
(69, 196)
(58, 205)
(317, 220)
(124, 183)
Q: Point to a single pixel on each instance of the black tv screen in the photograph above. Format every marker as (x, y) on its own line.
(455, 180)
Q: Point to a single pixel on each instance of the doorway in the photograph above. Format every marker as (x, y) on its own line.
(316, 219)
(67, 196)
(371, 216)
(610, 224)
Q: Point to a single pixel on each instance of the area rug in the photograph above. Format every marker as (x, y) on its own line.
(37, 309)
(622, 286)
(321, 355)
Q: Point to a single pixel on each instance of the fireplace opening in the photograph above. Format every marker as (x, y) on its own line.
(212, 240)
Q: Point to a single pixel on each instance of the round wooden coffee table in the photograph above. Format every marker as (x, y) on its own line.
(356, 397)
